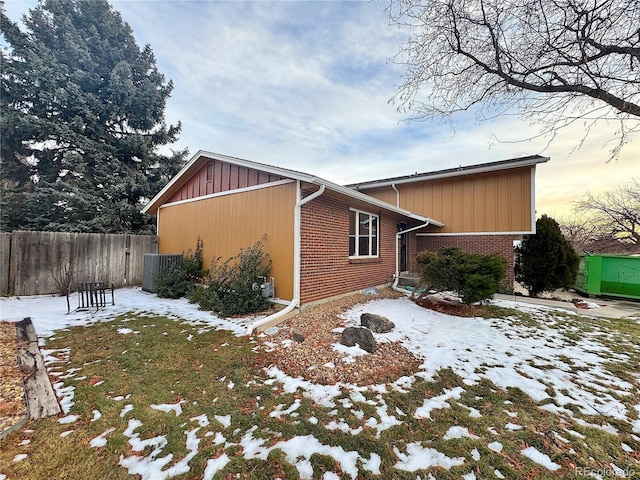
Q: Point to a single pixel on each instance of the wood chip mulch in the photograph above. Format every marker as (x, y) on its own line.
(451, 307)
(12, 401)
(314, 359)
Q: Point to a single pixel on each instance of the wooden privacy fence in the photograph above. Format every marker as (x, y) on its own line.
(30, 258)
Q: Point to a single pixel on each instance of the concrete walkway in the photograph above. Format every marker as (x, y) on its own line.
(609, 308)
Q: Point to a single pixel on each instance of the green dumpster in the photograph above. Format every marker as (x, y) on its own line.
(609, 275)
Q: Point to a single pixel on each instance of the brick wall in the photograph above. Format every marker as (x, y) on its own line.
(325, 269)
(480, 244)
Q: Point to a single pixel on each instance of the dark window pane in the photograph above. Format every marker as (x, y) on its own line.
(352, 246)
(363, 244)
(352, 222)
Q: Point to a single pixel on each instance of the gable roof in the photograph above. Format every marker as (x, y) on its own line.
(453, 172)
(183, 175)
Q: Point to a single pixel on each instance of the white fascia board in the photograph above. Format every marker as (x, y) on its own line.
(285, 172)
(171, 183)
(449, 174)
(533, 199)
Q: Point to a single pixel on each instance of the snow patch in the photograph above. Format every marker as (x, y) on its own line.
(168, 407)
(533, 454)
(418, 458)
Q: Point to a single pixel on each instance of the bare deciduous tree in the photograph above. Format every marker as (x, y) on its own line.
(554, 62)
(580, 231)
(587, 234)
(614, 215)
(63, 274)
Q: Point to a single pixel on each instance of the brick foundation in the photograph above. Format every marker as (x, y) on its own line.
(326, 270)
(480, 244)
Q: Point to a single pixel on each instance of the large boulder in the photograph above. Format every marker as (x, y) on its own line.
(352, 336)
(376, 323)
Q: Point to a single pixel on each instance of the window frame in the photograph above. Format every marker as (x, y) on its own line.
(357, 236)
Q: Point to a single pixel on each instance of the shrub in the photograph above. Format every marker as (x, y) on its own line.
(474, 277)
(546, 260)
(178, 279)
(234, 284)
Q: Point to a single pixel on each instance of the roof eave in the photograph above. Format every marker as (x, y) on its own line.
(151, 207)
(484, 168)
(154, 204)
(363, 197)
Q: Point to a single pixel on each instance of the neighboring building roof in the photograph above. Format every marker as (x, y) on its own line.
(166, 192)
(453, 172)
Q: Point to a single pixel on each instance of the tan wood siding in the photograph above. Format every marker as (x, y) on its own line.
(230, 222)
(226, 176)
(484, 202)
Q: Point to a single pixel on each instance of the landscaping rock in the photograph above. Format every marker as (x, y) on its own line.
(370, 291)
(376, 323)
(297, 336)
(352, 336)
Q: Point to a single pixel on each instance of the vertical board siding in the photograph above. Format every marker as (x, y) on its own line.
(230, 222)
(111, 258)
(484, 202)
(243, 177)
(326, 269)
(226, 176)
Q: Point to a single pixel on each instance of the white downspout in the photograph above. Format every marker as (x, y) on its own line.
(393, 185)
(295, 302)
(397, 274)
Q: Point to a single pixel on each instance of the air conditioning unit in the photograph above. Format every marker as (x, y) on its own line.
(154, 264)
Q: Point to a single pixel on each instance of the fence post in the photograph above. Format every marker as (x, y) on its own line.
(5, 263)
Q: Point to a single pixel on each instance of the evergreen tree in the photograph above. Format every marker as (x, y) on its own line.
(82, 119)
(546, 261)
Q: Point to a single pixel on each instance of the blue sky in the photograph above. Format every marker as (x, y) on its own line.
(306, 85)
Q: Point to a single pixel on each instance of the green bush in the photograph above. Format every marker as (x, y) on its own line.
(234, 284)
(178, 280)
(546, 260)
(474, 277)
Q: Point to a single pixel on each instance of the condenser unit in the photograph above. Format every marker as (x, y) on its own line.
(154, 264)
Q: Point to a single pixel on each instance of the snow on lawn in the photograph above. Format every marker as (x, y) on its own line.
(49, 313)
(508, 354)
(504, 351)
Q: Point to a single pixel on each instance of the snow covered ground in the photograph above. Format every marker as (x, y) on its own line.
(49, 313)
(534, 358)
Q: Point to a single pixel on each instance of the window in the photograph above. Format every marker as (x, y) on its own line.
(363, 234)
(210, 172)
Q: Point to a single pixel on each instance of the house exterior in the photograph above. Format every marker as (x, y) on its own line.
(325, 239)
(484, 208)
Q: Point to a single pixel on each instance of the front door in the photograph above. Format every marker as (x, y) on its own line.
(403, 253)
